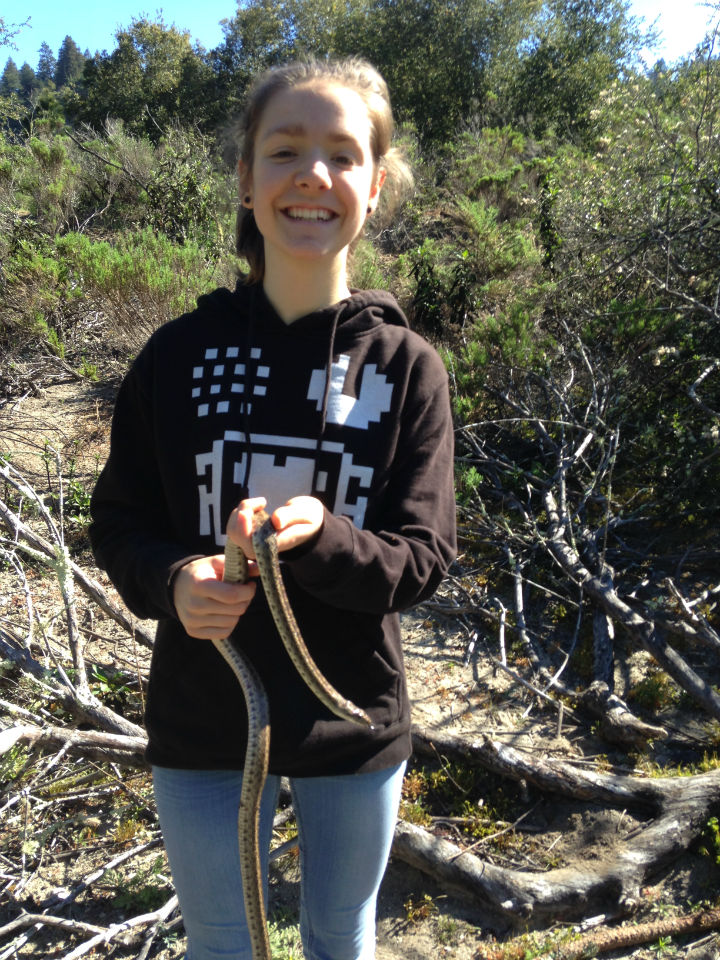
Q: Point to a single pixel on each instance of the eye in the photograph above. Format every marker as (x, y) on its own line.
(344, 159)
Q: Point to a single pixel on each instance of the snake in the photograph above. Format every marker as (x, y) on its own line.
(257, 751)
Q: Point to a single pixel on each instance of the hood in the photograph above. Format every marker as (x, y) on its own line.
(363, 310)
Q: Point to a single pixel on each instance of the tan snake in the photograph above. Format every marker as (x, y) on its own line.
(258, 743)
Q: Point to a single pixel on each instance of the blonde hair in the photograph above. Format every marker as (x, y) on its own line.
(355, 74)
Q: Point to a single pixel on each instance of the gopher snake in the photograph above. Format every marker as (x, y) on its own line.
(258, 744)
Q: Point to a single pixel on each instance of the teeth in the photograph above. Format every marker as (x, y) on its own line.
(302, 213)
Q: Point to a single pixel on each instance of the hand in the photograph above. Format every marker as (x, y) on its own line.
(295, 523)
(242, 522)
(298, 521)
(208, 608)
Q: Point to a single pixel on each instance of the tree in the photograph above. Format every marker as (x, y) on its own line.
(70, 63)
(10, 80)
(440, 81)
(47, 63)
(573, 51)
(152, 77)
(28, 80)
(255, 38)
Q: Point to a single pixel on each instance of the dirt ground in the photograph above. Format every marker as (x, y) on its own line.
(452, 692)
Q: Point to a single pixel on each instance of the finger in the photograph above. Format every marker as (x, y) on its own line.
(242, 521)
(218, 628)
(199, 597)
(297, 521)
(232, 593)
(247, 510)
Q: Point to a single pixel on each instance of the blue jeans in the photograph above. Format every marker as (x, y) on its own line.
(345, 827)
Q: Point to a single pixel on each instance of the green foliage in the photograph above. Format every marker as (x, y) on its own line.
(70, 63)
(284, 936)
(443, 82)
(654, 692)
(46, 66)
(367, 269)
(468, 479)
(711, 845)
(572, 52)
(476, 798)
(184, 194)
(152, 78)
(493, 164)
(10, 80)
(14, 761)
(640, 252)
(39, 296)
(167, 277)
(174, 205)
(142, 891)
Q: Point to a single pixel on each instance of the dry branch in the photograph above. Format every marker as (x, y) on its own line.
(567, 946)
(117, 748)
(617, 723)
(636, 626)
(611, 885)
(89, 586)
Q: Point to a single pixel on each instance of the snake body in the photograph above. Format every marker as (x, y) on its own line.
(258, 743)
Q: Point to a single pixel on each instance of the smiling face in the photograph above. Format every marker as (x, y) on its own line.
(313, 175)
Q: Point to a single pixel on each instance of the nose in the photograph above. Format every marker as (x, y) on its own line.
(314, 175)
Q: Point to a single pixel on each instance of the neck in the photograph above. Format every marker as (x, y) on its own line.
(301, 287)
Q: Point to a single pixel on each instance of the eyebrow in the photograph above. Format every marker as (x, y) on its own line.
(298, 130)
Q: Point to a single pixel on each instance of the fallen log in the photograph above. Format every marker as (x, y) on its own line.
(95, 744)
(569, 946)
(617, 723)
(611, 885)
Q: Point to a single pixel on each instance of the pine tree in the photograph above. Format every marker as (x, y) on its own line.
(70, 63)
(47, 64)
(28, 80)
(10, 80)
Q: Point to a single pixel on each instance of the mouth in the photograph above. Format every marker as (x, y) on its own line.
(305, 213)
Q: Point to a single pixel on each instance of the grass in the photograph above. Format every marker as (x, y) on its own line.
(284, 934)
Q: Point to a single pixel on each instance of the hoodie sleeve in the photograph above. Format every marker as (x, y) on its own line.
(410, 540)
(130, 532)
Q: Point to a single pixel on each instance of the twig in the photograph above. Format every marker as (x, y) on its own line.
(694, 618)
(92, 588)
(499, 833)
(692, 390)
(530, 686)
(501, 632)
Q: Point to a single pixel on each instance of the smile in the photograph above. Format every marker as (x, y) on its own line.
(302, 213)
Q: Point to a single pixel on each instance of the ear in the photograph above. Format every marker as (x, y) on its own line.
(245, 183)
(375, 189)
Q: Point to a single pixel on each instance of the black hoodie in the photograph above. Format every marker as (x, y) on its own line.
(228, 402)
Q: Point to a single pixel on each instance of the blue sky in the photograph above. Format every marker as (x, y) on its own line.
(92, 27)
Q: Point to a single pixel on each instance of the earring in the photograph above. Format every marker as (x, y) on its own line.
(247, 199)
(369, 209)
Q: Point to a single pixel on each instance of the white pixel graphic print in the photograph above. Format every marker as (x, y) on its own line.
(221, 378)
(281, 466)
(374, 399)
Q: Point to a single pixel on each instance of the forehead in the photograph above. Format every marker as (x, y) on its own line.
(317, 109)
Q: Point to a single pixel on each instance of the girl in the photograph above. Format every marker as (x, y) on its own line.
(297, 392)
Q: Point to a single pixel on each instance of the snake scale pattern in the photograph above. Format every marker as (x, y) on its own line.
(258, 745)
